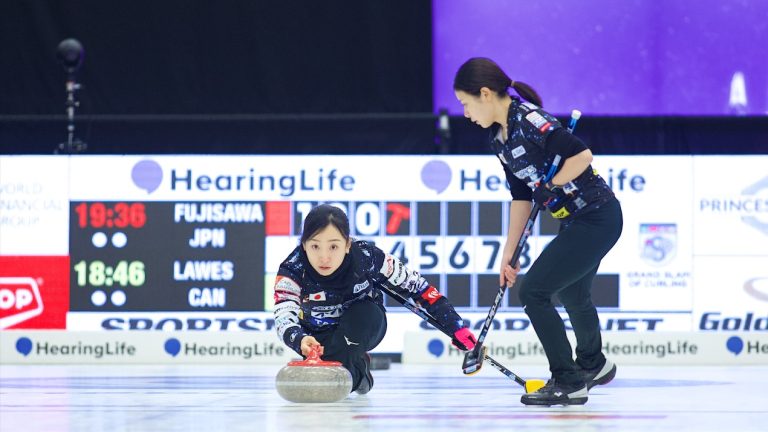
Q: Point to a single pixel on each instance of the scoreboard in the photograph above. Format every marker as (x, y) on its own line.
(455, 245)
(167, 256)
(222, 256)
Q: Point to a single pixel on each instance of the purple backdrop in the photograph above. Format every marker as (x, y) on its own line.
(614, 57)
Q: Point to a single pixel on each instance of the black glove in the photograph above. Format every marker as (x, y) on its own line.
(544, 195)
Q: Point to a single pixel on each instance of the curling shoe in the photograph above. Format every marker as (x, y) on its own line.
(599, 375)
(366, 384)
(555, 393)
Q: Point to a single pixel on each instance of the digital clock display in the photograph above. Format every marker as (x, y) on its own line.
(96, 274)
(117, 215)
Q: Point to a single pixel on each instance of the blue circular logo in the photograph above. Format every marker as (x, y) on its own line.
(172, 346)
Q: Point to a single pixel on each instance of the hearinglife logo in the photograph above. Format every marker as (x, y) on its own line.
(736, 345)
(436, 347)
(174, 347)
(437, 175)
(25, 346)
(751, 205)
(148, 175)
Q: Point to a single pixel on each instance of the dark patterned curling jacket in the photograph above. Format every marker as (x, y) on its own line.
(307, 303)
(534, 139)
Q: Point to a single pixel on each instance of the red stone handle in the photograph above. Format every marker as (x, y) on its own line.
(313, 359)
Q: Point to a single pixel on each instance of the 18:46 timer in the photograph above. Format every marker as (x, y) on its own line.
(97, 274)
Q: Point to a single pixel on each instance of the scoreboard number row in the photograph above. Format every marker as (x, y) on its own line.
(449, 254)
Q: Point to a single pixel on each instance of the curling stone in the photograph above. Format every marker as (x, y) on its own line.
(313, 380)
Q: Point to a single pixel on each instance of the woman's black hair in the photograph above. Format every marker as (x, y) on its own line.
(322, 216)
(479, 72)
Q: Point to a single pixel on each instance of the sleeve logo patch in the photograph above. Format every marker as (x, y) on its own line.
(530, 105)
(283, 283)
(570, 188)
(518, 151)
(431, 295)
(538, 121)
(359, 287)
(527, 172)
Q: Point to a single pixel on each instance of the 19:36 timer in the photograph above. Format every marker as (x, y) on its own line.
(119, 215)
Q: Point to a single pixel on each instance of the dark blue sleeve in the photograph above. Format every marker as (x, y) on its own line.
(564, 143)
(393, 275)
(519, 190)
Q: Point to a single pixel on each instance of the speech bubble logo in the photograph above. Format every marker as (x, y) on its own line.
(147, 174)
(436, 347)
(436, 175)
(735, 345)
(24, 346)
(172, 346)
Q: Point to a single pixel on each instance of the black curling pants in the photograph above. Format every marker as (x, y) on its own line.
(361, 328)
(566, 267)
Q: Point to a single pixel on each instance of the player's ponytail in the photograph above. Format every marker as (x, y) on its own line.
(479, 72)
(526, 92)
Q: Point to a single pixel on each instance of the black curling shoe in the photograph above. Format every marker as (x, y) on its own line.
(599, 376)
(555, 393)
(366, 384)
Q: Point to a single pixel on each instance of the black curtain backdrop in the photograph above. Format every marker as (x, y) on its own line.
(207, 56)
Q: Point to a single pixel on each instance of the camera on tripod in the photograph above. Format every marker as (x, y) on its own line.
(70, 54)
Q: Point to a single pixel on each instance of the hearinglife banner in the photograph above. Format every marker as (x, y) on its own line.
(192, 243)
(668, 348)
(72, 347)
